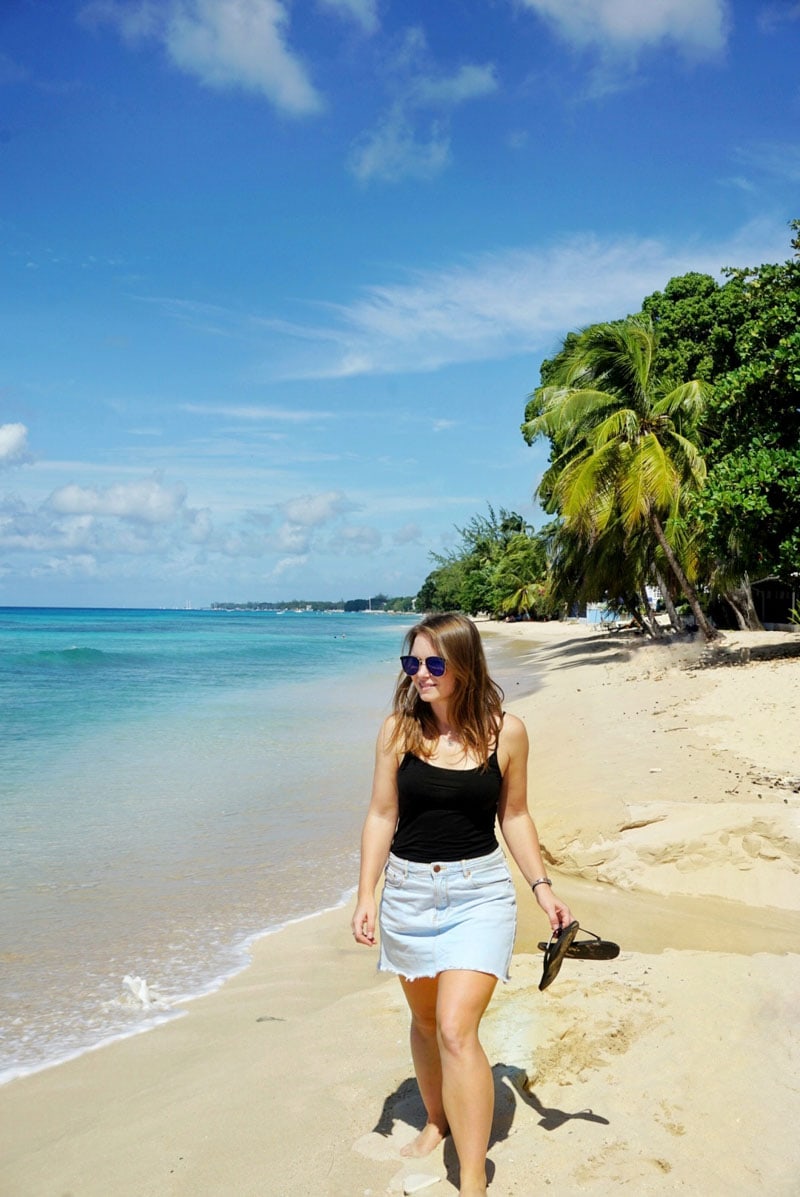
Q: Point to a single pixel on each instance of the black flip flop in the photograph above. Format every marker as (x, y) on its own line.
(589, 949)
(555, 951)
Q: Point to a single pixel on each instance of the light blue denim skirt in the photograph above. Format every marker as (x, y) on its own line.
(447, 915)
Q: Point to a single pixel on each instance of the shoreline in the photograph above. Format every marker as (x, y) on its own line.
(273, 1081)
(236, 955)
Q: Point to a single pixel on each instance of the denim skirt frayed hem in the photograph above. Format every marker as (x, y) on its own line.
(447, 915)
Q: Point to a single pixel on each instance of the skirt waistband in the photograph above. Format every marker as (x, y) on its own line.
(465, 867)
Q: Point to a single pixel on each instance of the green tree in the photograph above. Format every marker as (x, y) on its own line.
(624, 441)
(744, 337)
(751, 505)
(441, 590)
(520, 576)
(695, 320)
(497, 554)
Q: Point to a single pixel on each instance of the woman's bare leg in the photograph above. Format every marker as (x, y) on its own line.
(467, 1082)
(421, 996)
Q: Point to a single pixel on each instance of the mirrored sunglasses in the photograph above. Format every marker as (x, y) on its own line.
(434, 665)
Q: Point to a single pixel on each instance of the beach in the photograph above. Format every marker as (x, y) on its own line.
(666, 790)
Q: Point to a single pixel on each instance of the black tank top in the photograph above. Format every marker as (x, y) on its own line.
(446, 814)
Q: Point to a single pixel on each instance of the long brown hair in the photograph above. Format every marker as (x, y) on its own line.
(475, 708)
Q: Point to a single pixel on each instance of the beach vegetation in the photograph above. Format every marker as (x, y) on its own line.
(625, 459)
(675, 447)
(499, 566)
(742, 336)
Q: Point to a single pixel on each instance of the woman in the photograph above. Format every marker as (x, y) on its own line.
(448, 763)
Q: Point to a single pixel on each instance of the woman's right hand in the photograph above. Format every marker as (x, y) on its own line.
(363, 923)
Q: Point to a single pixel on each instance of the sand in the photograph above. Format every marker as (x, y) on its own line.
(667, 798)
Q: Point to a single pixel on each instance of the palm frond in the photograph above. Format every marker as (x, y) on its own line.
(583, 488)
(687, 458)
(685, 403)
(650, 482)
(623, 424)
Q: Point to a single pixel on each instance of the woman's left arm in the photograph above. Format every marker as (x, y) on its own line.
(516, 824)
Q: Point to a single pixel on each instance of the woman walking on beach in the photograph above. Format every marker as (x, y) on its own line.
(448, 763)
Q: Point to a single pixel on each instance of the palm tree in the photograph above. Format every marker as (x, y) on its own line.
(624, 441)
(524, 599)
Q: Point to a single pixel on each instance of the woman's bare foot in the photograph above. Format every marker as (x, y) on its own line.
(478, 1190)
(426, 1141)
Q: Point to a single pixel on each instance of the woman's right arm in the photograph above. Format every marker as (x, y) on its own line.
(377, 835)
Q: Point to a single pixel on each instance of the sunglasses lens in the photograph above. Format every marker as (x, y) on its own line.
(434, 665)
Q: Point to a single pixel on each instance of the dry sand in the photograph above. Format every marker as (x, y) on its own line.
(667, 798)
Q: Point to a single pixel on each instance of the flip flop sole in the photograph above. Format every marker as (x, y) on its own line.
(592, 949)
(555, 952)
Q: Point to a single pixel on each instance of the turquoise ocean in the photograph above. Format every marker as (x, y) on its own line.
(173, 784)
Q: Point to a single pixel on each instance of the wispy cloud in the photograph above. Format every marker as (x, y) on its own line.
(773, 16)
(696, 27)
(223, 43)
(395, 149)
(363, 12)
(354, 539)
(256, 413)
(312, 510)
(408, 534)
(411, 139)
(496, 305)
(446, 91)
(777, 159)
(614, 35)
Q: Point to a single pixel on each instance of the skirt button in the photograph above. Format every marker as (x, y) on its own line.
(437, 868)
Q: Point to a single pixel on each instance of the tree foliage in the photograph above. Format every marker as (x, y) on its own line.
(628, 461)
(737, 514)
(499, 566)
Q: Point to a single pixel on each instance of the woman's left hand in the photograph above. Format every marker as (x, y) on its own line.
(558, 912)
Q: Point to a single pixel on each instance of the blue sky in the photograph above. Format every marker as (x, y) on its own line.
(278, 275)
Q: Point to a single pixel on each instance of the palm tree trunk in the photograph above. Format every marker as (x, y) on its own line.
(705, 627)
(674, 617)
(650, 615)
(740, 600)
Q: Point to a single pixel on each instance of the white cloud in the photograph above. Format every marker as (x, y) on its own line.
(779, 159)
(292, 539)
(13, 445)
(496, 305)
(80, 565)
(287, 563)
(468, 83)
(363, 12)
(223, 43)
(404, 143)
(395, 150)
(255, 414)
(135, 20)
(312, 510)
(355, 538)
(147, 502)
(697, 27)
(408, 534)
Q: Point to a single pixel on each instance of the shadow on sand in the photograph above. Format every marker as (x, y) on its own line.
(510, 1088)
(614, 646)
